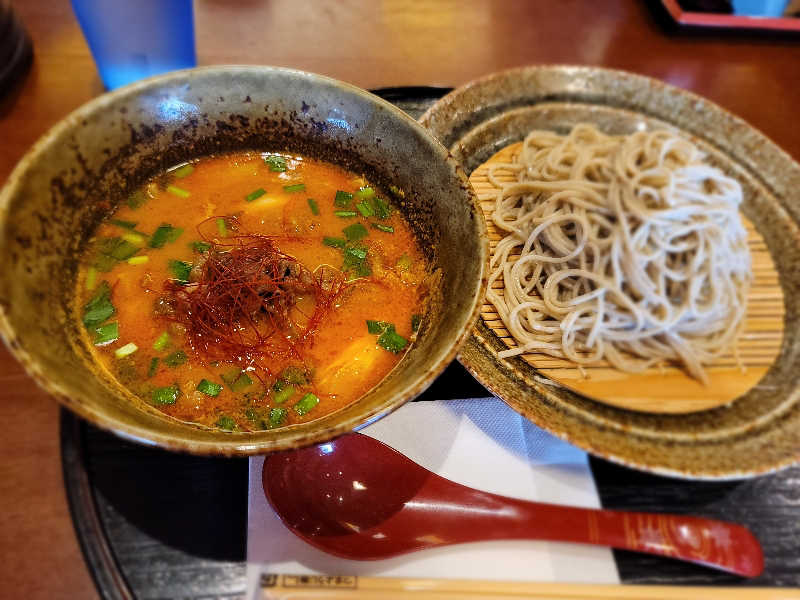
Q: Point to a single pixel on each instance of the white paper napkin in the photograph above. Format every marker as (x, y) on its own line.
(478, 442)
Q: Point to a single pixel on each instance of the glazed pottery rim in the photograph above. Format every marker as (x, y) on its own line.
(464, 110)
(241, 443)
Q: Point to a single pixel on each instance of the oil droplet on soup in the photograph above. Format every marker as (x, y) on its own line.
(253, 290)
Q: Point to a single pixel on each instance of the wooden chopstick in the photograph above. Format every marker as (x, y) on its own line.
(317, 587)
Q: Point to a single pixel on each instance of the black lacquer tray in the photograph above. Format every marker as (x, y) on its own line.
(154, 524)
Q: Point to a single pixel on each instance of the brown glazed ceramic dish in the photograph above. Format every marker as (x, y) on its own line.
(758, 432)
(74, 176)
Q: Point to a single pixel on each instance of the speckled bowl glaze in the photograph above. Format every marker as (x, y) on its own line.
(757, 433)
(73, 177)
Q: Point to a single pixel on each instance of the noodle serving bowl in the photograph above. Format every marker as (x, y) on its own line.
(78, 172)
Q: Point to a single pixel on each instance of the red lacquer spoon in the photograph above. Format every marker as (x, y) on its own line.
(360, 499)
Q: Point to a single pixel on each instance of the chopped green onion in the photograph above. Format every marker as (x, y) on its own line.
(137, 239)
(209, 388)
(174, 234)
(355, 232)
(166, 395)
(356, 253)
(111, 250)
(384, 228)
(378, 326)
(276, 417)
(365, 208)
(415, 321)
(177, 191)
(123, 224)
(91, 278)
(382, 210)
(345, 213)
(161, 341)
(333, 242)
(105, 334)
(392, 341)
(176, 359)
(136, 199)
(161, 236)
(397, 191)
(295, 187)
(99, 307)
(255, 194)
(126, 350)
(200, 247)
(183, 171)
(181, 270)
(276, 163)
(312, 204)
(236, 379)
(355, 261)
(403, 263)
(222, 227)
(225, 423)
(138, 260)
(342, 199)
(305, 404)
(365, 193)
(284, 394)
(153, 367)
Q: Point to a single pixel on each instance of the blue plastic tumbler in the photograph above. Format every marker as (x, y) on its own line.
(132, 39)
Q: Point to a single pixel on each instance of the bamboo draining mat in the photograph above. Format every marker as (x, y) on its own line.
(664, 388)
(317, 587)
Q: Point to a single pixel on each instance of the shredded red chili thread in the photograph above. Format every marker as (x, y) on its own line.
(238, 304)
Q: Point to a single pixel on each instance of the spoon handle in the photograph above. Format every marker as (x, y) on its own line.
(709, 542)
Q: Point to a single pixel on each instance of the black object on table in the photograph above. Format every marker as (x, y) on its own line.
(155, 524)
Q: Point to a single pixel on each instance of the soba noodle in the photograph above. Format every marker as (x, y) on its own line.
(628, 249)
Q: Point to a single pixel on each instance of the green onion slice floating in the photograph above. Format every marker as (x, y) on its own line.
(284, 394)
(225, 423)
(209, 388)
(305, 404)
(355, 232)
(345, 214)
(255, 194)
(162, 235)
(124, 224)
(105, 334)
(342, 199)
(176, 359)
(312, 204)
(365, 193)
(178, 191)
(99, 307)
(153, 366)
(382, 210)
(161, 341)
(275, 163)
(365, 208)
(276, 417)
(392, 341)
(333, 242)
(180, 270)
(384, 228)
(200, 247)
(126, 350)
(295, 187)
(166, 395)
(183, 171)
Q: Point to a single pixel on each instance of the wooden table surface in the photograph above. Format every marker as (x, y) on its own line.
(369, 43)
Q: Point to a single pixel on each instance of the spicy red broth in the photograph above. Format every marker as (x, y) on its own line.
(251, 291)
